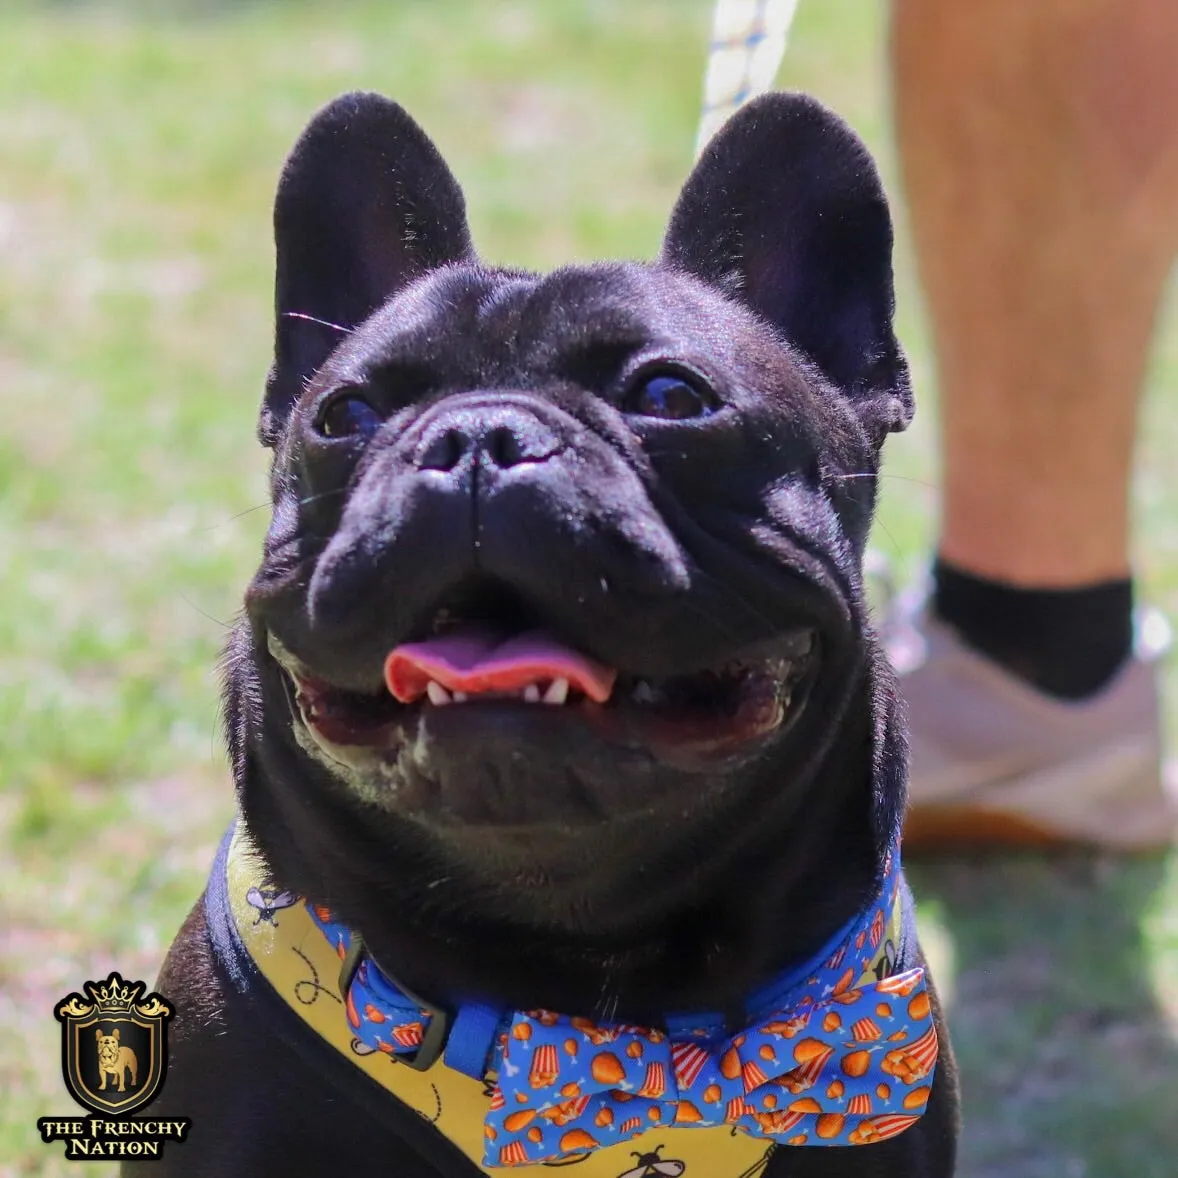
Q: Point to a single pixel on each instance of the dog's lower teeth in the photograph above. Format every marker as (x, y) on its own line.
(557, 693)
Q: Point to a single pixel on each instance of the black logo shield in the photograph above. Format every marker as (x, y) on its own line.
(114, 1045)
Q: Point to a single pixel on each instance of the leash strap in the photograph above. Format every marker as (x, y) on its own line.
(748, 43)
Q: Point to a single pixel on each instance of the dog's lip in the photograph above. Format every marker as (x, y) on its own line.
(302, 674)
(711, 713)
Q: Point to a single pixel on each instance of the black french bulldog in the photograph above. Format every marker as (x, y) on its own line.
(555, 682)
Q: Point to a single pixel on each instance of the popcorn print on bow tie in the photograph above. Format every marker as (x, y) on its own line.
(852, 1071)
(848, 1063)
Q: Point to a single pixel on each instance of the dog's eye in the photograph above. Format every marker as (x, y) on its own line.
(670, 396)
(348, 414)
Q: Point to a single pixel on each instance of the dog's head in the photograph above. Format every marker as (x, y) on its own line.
(559, 623)
(108, 1045)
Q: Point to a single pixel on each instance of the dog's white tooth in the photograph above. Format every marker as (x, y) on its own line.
(532, 694)
(558, 691)
(643, 693)
(438, 695)
(460, 697)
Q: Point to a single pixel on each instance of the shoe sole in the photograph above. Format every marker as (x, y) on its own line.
(933, 829)
(954, 828)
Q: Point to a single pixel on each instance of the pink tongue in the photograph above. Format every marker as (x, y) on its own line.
(477, 660)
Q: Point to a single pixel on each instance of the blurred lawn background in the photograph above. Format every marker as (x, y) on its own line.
(139, 148)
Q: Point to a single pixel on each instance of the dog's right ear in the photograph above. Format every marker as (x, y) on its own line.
(365, 205)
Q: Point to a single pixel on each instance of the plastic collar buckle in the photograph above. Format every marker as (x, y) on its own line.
(433, 1041)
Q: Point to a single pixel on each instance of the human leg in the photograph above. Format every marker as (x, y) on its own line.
(1040, 152)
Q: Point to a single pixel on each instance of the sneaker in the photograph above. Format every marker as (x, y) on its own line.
(995, 761)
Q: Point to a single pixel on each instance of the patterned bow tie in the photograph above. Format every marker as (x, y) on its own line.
(842, 1053)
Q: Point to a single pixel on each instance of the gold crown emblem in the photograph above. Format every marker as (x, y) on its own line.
(115, 995)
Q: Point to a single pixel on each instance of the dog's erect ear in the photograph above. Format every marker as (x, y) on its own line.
(785, 211)
(365, 205)
(98, 1034)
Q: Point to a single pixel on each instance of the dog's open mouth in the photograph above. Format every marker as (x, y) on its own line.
(471, 656)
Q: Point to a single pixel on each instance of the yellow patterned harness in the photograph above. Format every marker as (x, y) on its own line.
(298, 962)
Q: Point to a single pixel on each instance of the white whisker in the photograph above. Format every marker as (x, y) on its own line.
(321, 322)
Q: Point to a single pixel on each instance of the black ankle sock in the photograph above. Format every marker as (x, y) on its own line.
(1066, 642)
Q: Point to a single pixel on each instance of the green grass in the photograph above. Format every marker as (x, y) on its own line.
(138, 155)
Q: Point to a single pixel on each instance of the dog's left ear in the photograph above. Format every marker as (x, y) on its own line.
(785, 212)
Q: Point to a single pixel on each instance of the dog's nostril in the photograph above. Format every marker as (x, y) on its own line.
(502, 446)
(444, 451)
(510, 445)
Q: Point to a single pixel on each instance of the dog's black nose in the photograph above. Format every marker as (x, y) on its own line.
(499, 436)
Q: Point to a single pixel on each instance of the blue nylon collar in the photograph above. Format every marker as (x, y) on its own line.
(473, 1030)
